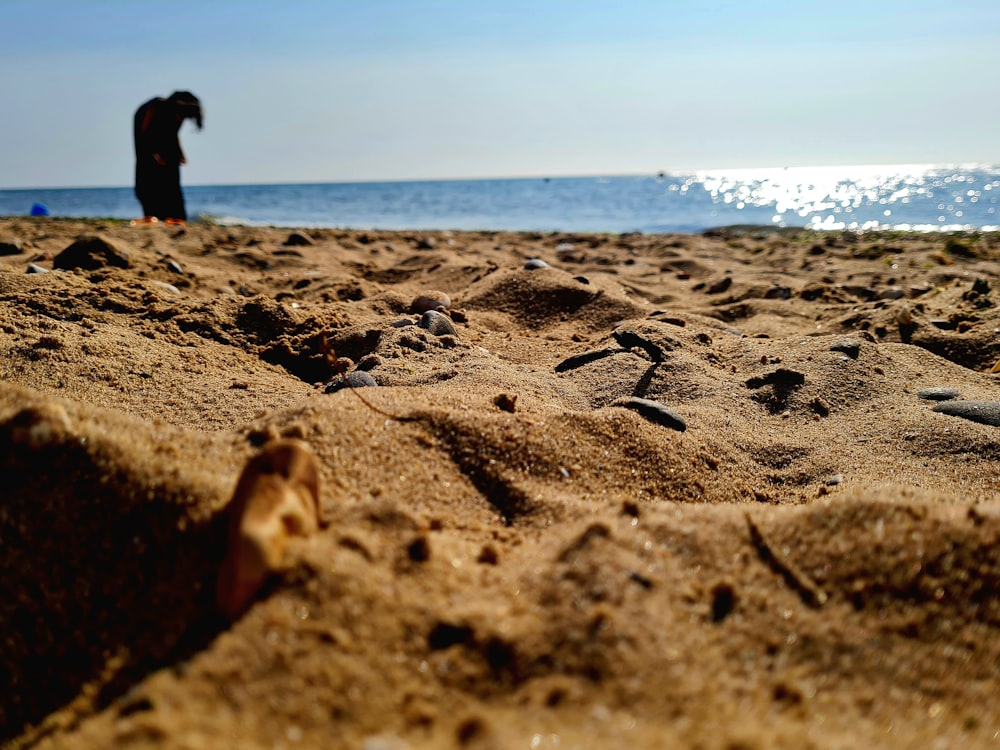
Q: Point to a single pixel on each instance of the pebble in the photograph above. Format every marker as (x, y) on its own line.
(166, 287)
(654, 411)
(10, 247)
(34, 268)
(984, 412)
(835, 480)
(851, 348)
(355, 379)
(719, 286)
(533, 264)
(937, 394)
(581, 279)
(893, 293)
(174, 266)
(432, 300)
(437, 323)
(426, 243)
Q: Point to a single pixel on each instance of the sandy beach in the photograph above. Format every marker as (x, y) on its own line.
(732, 490)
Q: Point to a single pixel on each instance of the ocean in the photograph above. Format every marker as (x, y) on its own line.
(910, 197)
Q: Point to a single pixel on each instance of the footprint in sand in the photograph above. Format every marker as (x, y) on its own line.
(276, 498)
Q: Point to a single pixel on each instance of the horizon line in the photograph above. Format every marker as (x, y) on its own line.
(681, 171)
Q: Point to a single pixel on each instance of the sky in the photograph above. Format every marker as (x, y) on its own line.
(348, 90)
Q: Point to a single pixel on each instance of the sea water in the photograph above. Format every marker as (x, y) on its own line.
(912, 197)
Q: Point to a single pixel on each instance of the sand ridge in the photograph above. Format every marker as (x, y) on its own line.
(509, 556)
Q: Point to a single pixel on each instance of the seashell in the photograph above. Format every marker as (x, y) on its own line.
(276, 499)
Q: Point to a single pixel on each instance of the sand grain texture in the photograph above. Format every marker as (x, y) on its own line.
(509, 558)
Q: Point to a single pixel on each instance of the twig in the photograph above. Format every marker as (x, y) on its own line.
(331, 358)
(811, 594)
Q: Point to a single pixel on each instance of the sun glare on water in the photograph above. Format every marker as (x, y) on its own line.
(859, 197)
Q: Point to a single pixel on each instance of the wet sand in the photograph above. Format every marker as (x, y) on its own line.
(788, 547)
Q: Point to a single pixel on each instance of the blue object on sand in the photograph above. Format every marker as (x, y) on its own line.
(39, 209)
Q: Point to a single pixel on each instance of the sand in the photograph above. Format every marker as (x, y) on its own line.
(800, 553)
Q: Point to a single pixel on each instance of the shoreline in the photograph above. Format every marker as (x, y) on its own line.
(804, 523)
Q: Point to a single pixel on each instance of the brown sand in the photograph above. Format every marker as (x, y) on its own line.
(513, 560)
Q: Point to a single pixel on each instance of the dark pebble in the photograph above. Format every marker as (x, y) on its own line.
(984, 412)
(851, 348)
(437, 323)
(719, 286)
(656, 412)
(174, 266)
(355, 379)
(533, 264)
(581, 279)
(937, 394)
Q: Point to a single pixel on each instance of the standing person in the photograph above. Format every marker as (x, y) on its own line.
(158, 154)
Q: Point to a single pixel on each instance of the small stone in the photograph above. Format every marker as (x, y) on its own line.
(166, 287)
(654, 411)
(437, 324)
(354, 379)
(10, 247)
(834, 480)
(893, 293)
(298, 239)
(851, 348)
(533, 264)
(937, 394)
(581, 279)
(35, 268)
(402, 323)
(90, 252)
(981, 286)
(718, 287)
(426, 243)
(984, 412)
(174, 266)
(432, 300)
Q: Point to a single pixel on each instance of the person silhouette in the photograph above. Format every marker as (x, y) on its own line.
(158, 154)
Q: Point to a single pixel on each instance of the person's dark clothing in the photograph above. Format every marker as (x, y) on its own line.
(158, 155)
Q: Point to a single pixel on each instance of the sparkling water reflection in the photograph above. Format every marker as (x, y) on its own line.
(917, 197)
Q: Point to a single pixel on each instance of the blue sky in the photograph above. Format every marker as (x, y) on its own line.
(341, 90)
